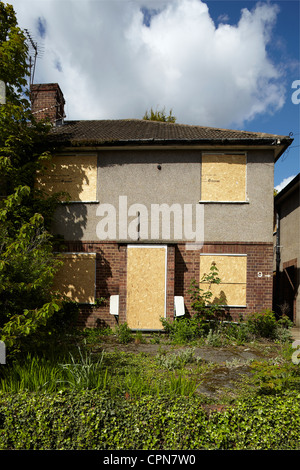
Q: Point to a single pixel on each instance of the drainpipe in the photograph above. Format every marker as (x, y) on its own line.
(277, 293)
(277, 242)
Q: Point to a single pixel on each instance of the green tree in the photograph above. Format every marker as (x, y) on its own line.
(27, 262)
(159, 116)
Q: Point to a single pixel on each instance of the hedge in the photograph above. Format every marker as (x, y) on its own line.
(88, 421)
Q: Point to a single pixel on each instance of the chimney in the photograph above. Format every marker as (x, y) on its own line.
(47, 102)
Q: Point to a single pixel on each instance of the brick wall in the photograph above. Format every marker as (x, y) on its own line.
(183, 266)
(47, 102)
(259, 259)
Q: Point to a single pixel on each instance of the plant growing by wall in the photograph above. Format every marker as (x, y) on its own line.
(203, 303)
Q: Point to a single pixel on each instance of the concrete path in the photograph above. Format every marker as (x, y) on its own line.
(295, 333)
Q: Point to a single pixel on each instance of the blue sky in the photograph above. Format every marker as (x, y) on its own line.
(217, 63)
(287, 119)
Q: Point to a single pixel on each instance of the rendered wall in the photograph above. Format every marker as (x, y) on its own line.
(136, 175)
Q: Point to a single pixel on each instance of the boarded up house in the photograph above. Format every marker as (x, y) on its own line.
(152, 205)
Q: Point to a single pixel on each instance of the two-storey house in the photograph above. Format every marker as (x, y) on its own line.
(151, 206)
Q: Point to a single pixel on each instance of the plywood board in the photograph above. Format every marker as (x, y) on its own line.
(76, 277)
(232, 270)
(146, 287)
(223, 177)
(74, 174)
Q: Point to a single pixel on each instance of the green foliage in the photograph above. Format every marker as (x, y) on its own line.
(176, 360)
(27, 263)
(203, 303)
(184, 330)
(159, 116)
(262, 324)
(124, 333)
(13, 53)
(272, 379)
(90, 421)
(27, 268)
(85, 373)
(34, 374)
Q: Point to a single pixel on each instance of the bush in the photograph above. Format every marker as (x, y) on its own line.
(184, 330)
(124, 333)
(262, 324)
(90, 421)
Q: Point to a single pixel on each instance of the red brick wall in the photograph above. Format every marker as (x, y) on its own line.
(47, 101)
(259, 259)
(183, 266)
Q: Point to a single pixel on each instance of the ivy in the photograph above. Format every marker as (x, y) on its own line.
(88, 421)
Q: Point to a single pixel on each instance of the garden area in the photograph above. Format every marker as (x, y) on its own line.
(202, 385)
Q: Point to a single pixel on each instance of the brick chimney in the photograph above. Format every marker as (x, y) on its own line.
(47, 102)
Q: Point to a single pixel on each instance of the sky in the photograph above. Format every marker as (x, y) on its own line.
(230, 64)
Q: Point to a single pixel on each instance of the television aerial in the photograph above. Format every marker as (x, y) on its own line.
(34, 50)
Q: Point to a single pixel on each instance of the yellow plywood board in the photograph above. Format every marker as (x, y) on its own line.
(229, 294)
(232, 270)
(74, 174)
(223, 177)
(76, 277)
(146, 287)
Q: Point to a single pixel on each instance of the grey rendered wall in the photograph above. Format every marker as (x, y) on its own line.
(136, 174)
(290, 239)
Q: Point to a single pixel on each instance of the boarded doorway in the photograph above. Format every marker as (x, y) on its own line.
(146, 286)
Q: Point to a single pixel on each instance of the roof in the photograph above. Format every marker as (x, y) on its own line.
(144, 132)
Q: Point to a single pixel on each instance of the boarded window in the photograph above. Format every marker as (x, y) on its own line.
(76, 277)
(223, 177)
(233, 274)
(73, 174)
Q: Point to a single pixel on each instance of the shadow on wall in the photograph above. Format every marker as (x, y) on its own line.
(70, 221)
(76, 177)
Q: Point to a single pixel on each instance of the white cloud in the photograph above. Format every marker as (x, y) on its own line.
(284, 183)
(111, 65)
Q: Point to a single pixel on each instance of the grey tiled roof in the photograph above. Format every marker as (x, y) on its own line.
(137, 132)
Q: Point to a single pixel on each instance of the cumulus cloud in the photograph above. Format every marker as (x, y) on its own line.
(116, 59)
(284, 183)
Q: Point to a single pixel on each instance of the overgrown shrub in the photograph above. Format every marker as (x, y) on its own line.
(184, 330)
(262, 324)
(124, 333)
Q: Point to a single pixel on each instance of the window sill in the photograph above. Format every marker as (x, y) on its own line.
(224, 202)
(79, 202)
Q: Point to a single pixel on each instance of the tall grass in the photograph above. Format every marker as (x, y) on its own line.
(86, 372)
(34, 374)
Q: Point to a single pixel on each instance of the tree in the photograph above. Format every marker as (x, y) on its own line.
(159, 116)
(27, 262)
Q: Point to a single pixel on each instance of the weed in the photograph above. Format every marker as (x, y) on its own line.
(176, 361)
(124, 333)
